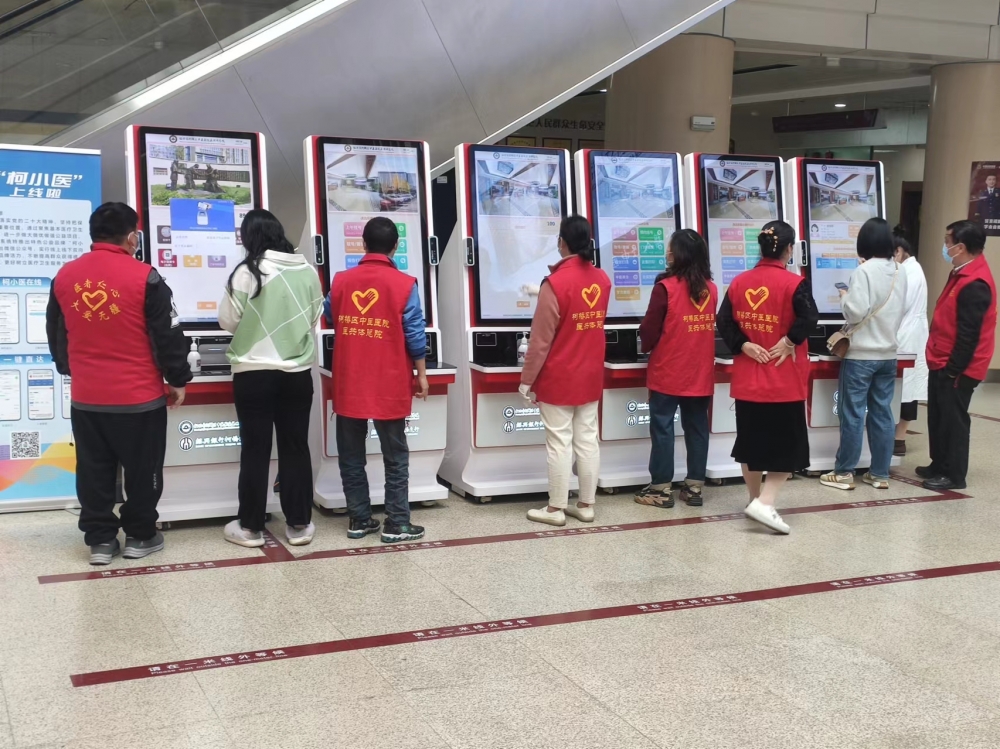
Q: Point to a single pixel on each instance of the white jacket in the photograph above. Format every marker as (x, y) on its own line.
(876, 284)
(913, 331)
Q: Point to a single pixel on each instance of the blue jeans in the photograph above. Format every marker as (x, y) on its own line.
(866, 384)
(694, 419)
(352, 457)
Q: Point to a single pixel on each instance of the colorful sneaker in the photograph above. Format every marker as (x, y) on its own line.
(766, 515)
(874, 481)
(361, 528)
(300, 535)
(136, 549)
(394, 534)
(843, 481)
(235, 533)
(583, 514)
(692, 496)
(103, 553)
(662, 498)
(542, 515)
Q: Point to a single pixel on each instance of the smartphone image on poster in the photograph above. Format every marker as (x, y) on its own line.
(10, 395)
(67, 398)
(35, 305)
(41, 394)
(10, 319)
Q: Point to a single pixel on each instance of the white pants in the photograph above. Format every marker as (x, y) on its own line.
(571, 430)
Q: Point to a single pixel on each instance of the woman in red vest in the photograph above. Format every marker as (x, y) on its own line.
(765, 319)
(564, 367)
(679, 330)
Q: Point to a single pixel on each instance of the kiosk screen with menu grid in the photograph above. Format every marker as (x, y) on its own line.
(518, 201)
(197, 189)
(636, 210)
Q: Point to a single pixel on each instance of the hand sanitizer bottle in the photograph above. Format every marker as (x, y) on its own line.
(522, 349)
(194, 357)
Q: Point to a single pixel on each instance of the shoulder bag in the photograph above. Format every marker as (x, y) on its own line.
(840, 342)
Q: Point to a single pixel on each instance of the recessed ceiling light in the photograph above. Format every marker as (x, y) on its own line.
(840, 106)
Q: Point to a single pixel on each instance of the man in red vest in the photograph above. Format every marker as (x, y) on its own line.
(959, 351)
(111, 323)
(380, 338)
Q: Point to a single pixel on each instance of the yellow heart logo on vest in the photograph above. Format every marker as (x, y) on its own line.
(360, 297)
(705, 296)
(94, 299)
(756, 297)
(595, 292)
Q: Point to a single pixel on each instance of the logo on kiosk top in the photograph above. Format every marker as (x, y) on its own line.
(364, 300)
(591, 295)
(756, 297)
(348, 148)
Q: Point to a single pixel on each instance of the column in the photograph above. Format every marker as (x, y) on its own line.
(651, 101)
(964, 127)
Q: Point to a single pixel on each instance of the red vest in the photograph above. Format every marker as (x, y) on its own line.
(372, 372)
(683, 361)
(102, 295)
(573, 372)
(944, 324)
(762, 306)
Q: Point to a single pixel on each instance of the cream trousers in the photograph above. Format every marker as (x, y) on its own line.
(569, 431)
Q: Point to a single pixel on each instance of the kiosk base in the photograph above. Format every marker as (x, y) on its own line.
(205, 491)
(479, 473)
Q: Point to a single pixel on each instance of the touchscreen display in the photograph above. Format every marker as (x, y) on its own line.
(741, 194)
(637, 210)
(518, 205)
(365, 181)
(199, 190)
(840, 198)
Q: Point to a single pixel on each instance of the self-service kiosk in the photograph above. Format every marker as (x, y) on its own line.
(510, 204)
(829, 202)
(348, 182)
(191, 189)
(635, 202)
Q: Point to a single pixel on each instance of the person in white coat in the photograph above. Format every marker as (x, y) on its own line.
(912, 337)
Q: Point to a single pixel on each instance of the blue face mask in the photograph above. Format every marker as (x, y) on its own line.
(944, 253)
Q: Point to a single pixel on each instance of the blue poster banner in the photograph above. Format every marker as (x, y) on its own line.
(46, 198)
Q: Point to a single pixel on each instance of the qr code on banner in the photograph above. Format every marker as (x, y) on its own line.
(25, 445)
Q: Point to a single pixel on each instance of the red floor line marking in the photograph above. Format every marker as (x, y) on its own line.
(982, 416)
(274, 550)
(506, 625)
(279, 553)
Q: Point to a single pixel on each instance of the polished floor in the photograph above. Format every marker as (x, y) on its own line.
(907, 665)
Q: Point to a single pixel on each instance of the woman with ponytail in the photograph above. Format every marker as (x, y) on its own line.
(678, 332)
(765, 319)
(564, 369)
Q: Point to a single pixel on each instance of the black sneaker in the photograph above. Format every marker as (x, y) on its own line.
(899, 448)
(655, 497)
(393, 534)
(103, 553)
(692, 496)
(361, 528)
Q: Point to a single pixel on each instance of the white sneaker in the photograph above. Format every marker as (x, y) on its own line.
(300, 536)
(549, 518)
(766, 515)
(583, 514)
(237, 534)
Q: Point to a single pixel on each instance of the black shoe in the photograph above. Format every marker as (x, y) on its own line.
(393, 534)
(101, 554)
(899, 448)
(663, 498)
(361, 528)
(942, 484)
(928, 472)
(692, 496)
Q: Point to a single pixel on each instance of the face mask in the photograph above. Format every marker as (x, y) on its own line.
(944, 253)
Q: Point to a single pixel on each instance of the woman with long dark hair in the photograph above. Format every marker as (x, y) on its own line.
(272, 303)
(564, 369)
(678, 332)
(765, 320)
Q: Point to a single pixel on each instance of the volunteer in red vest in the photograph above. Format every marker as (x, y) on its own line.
(959, 351)
(380, 338)
(678, 332)
(765, 319)
(564, 368)
(111, 324)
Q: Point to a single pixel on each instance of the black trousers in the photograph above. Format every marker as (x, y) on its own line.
(271, 402)
(949, 424)
(137, 441)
